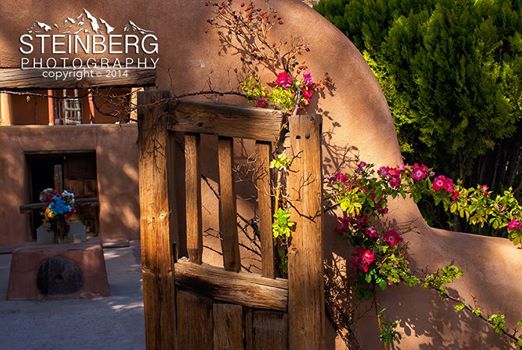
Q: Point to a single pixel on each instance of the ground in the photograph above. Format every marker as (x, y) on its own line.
(111, 323)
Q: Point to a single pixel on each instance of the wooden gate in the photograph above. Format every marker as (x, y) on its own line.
(192, 305)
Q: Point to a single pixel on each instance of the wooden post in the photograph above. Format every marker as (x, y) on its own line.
(305, 254)
(156, 245)
(6, 109)
(50, 106)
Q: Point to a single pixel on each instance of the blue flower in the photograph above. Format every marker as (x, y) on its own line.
(59, 206)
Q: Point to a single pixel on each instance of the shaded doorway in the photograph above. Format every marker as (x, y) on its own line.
(78, 176)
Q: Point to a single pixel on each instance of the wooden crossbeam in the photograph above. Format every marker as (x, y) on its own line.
(226, 120)
(247, 289)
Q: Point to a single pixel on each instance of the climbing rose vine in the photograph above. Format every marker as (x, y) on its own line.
(380, 255)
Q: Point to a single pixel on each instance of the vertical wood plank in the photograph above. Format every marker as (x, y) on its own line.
(264, 202)
(193, 198)
(270, 329)
(248, 328)
(195, 322)
(227, 206)
(156, 248)
(58, 178)
(305, 254)
(176, 162)
(228, 327)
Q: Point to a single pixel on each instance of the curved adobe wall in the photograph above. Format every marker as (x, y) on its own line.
(357, 115)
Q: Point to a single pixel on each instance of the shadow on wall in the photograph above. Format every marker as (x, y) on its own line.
(117, 160)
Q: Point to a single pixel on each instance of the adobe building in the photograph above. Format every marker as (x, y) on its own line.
(100, 157)
(96, 152)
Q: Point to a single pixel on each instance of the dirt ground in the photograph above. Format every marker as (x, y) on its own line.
(112, 323)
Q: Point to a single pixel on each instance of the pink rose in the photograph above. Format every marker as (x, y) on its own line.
(307, 94)
(308, 78)
(339, 177)
(419, 172)
(515, 225)
(343, 224)
(371, 232)
(284, 80)
(392, 237)
(455, 195)
(439, 183)
(261, 103)
(362, 258)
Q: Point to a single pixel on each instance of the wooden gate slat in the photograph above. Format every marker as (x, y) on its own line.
(195, 322)
(227, 206)
(193, 198)
(228, 327)
(264, 201)
(305, 254)
(270, 330)
(156, 244)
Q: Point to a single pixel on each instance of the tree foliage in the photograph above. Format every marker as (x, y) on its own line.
(451, 72)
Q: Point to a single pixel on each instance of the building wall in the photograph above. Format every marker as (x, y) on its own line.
(117, 175)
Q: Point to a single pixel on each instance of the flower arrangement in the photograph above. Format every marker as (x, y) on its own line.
(286, 92)
(59, 206)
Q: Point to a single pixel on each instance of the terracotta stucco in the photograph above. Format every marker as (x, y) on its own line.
(356, 115)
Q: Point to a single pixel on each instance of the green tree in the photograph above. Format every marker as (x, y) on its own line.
(451, 72)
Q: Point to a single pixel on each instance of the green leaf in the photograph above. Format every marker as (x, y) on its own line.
(460, 306)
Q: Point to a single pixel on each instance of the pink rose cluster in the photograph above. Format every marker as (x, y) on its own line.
(393, 175)
(308, 87)
(514, 224)
(363, 258)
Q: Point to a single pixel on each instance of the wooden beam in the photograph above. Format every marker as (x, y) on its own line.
(226, 120)
(14, 78)
(305, 253)
(156, 245)
(247, 289)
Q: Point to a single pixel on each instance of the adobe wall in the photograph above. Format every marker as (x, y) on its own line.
(117, 176)
(356, 114)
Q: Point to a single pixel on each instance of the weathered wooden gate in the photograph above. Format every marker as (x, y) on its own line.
(191, 305)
